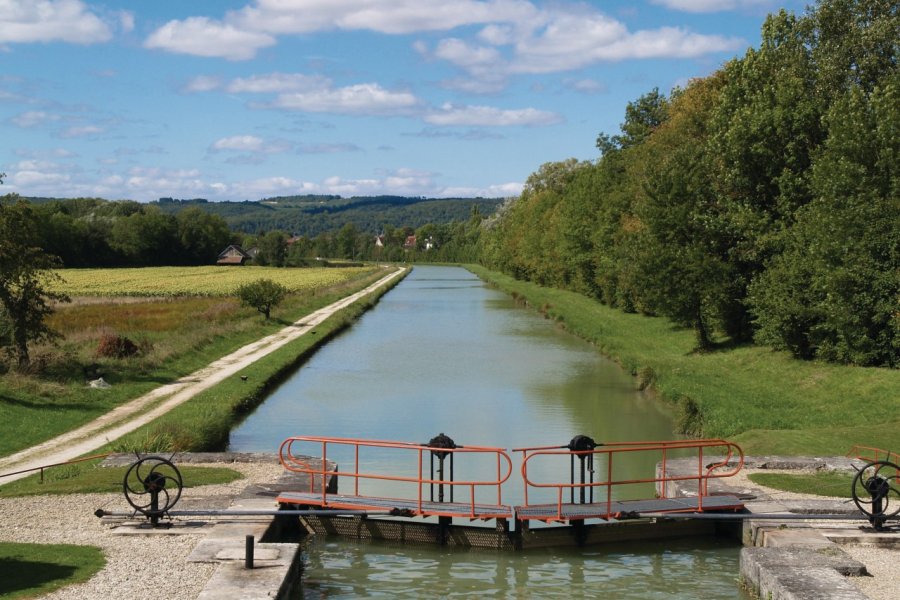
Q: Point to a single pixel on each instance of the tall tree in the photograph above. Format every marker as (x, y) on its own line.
(201, 235)
(25, 276)
(682, 262)
(835, 290)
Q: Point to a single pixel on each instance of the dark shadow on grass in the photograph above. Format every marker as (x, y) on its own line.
(20, 575)
(49, 405)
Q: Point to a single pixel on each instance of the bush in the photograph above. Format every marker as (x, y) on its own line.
(116, 346)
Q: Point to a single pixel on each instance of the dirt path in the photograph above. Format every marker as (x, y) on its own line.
(128, 417)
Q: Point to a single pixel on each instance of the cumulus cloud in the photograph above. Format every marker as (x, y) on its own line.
(277, 82)
(452, 114)
(34, 118)
(29, 21)
(360, 99)
(255, 148)
(203, 83)
(200, 36)
(243, 143)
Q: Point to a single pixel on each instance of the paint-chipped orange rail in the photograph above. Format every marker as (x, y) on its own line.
(715, 458)
(295, 451)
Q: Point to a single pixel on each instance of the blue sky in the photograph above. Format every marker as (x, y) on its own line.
(241, 100)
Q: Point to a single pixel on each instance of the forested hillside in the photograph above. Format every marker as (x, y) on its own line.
(312, 215)
(759, 203)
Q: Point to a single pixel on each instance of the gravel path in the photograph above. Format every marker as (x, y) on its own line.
(139, 567)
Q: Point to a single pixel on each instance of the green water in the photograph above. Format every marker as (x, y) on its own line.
(444, 353)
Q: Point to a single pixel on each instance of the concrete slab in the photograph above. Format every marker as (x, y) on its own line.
(271, 579)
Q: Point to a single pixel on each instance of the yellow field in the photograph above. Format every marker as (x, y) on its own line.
(194, 281)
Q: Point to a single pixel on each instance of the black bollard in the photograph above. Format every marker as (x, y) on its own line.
(248, 555)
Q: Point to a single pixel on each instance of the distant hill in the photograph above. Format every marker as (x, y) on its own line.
(312, 215)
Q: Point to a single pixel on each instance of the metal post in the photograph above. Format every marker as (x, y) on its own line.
(248, 554)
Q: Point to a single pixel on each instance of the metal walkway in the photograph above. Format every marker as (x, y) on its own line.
(403, 507)
(626, 508)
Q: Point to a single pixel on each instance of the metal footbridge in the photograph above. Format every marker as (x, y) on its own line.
(580, 482)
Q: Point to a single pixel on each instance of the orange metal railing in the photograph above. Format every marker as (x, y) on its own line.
(294, 460)
(870, 454)
(727, 460)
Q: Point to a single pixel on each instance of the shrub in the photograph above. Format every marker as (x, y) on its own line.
(116, 346)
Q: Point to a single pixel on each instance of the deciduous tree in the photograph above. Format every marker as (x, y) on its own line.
(25, 275)
(262, 294)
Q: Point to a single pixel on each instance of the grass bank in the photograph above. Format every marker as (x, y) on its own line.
(31, 570)
(203, 423)
(764, 400)
(176, 336)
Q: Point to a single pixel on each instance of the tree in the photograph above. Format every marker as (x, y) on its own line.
(833, 292)
(202, 235)
(642, 117)
(272, 249)
(262, 294)
(25, 273)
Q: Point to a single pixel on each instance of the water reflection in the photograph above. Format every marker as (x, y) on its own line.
(695, 569)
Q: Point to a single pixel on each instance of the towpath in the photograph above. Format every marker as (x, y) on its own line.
(133, 414)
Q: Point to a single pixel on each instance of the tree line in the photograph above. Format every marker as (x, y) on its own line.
(759, 203)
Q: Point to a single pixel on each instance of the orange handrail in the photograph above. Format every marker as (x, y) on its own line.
(320, 473)
(705, 472)
(870, 454)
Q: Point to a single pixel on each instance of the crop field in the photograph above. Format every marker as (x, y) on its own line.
(194, 281)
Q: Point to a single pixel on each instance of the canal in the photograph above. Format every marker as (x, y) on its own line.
(444, 353)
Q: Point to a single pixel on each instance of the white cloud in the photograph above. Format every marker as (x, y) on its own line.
(703, 6)
(277, 82)
(572, 41)
(81, 131)
(500, 190)
(203, 83)
(33, 118)
(360, 99)
(200, 36)
(126, 21)
(28, 21)
(383, 16)
(251, 143)
(243, 143)
(451, 114)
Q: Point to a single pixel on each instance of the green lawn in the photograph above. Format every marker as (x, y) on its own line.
(31, 570)
(89, 478)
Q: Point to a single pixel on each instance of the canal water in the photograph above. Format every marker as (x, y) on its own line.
(444, 353)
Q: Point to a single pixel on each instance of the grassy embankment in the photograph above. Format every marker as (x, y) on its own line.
(177, 335)
(31, 570)
(766, 401)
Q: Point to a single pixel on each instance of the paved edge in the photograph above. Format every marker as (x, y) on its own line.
(129, 416)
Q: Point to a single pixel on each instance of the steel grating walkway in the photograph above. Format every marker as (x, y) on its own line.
(426, 509)
(541, 512)
(617, 509)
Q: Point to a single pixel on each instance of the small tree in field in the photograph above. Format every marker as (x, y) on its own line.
(262, 294)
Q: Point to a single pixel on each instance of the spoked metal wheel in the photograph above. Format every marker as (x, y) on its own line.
(876, 491)
(152, 486)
